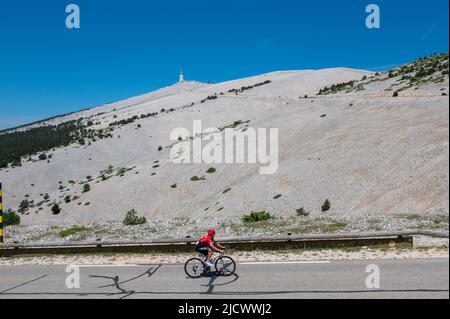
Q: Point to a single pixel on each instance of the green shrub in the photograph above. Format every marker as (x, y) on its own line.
(256, 217)
(326, 206)
(196, 178)
(10, 218)
(56, 209)
(109, 170)
(16, 163)
(395, 94)
(226, 191)
(121, 171)
(72, 231)
(67, 199)
(278, 196)
(211, 170)
(24, 205)
(174, 186)
(302, 212)
(132, 219)
(86, 188)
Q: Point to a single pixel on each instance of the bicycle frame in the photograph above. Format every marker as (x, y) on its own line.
(216, 255)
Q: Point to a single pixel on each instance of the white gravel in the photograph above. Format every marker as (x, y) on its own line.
(254, 256)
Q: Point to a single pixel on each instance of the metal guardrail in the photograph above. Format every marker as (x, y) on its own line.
(244, 243)
(190, 240)
(434, 234)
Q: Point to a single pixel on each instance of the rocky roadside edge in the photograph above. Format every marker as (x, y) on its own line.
(226, 227)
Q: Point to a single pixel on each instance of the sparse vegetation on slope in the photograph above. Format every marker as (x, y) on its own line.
(132, 219)
(254, 217)
(335, 88)
(430, 69)
(132, 119)
(72, 231)
(209, 98)
(246, 88)
(24, 205)
(302, 212)
(10, 218)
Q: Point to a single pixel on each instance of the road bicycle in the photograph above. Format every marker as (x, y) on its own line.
(196, 267)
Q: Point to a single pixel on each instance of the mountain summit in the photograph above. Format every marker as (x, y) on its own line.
(371, 143)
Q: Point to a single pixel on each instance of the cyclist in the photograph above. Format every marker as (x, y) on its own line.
(207, 245)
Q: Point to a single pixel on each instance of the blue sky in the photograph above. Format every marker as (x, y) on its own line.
(125, 48)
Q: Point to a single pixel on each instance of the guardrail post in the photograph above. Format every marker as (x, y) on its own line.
(1, 216)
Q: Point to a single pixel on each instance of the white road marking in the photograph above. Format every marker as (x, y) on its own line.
(100, 266)
(285, 262)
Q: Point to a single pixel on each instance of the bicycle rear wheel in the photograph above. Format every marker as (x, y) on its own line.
(225, 266)
(194, 267)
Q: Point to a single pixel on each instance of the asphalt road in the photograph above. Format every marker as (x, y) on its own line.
(412, 278)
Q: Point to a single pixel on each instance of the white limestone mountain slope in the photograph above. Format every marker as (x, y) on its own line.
(372, 154)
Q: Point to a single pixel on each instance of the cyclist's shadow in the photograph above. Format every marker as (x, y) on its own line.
(210, 274)
(213, 276)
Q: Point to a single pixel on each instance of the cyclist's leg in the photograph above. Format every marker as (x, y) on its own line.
(210, 253)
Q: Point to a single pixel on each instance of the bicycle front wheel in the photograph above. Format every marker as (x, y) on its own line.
(225, 266)
(194, 267)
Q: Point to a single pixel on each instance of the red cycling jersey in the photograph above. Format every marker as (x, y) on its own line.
(205, 241)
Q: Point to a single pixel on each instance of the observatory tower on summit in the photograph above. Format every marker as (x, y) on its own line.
(181, 76)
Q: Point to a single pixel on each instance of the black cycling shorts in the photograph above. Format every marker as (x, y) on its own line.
(202, 249)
